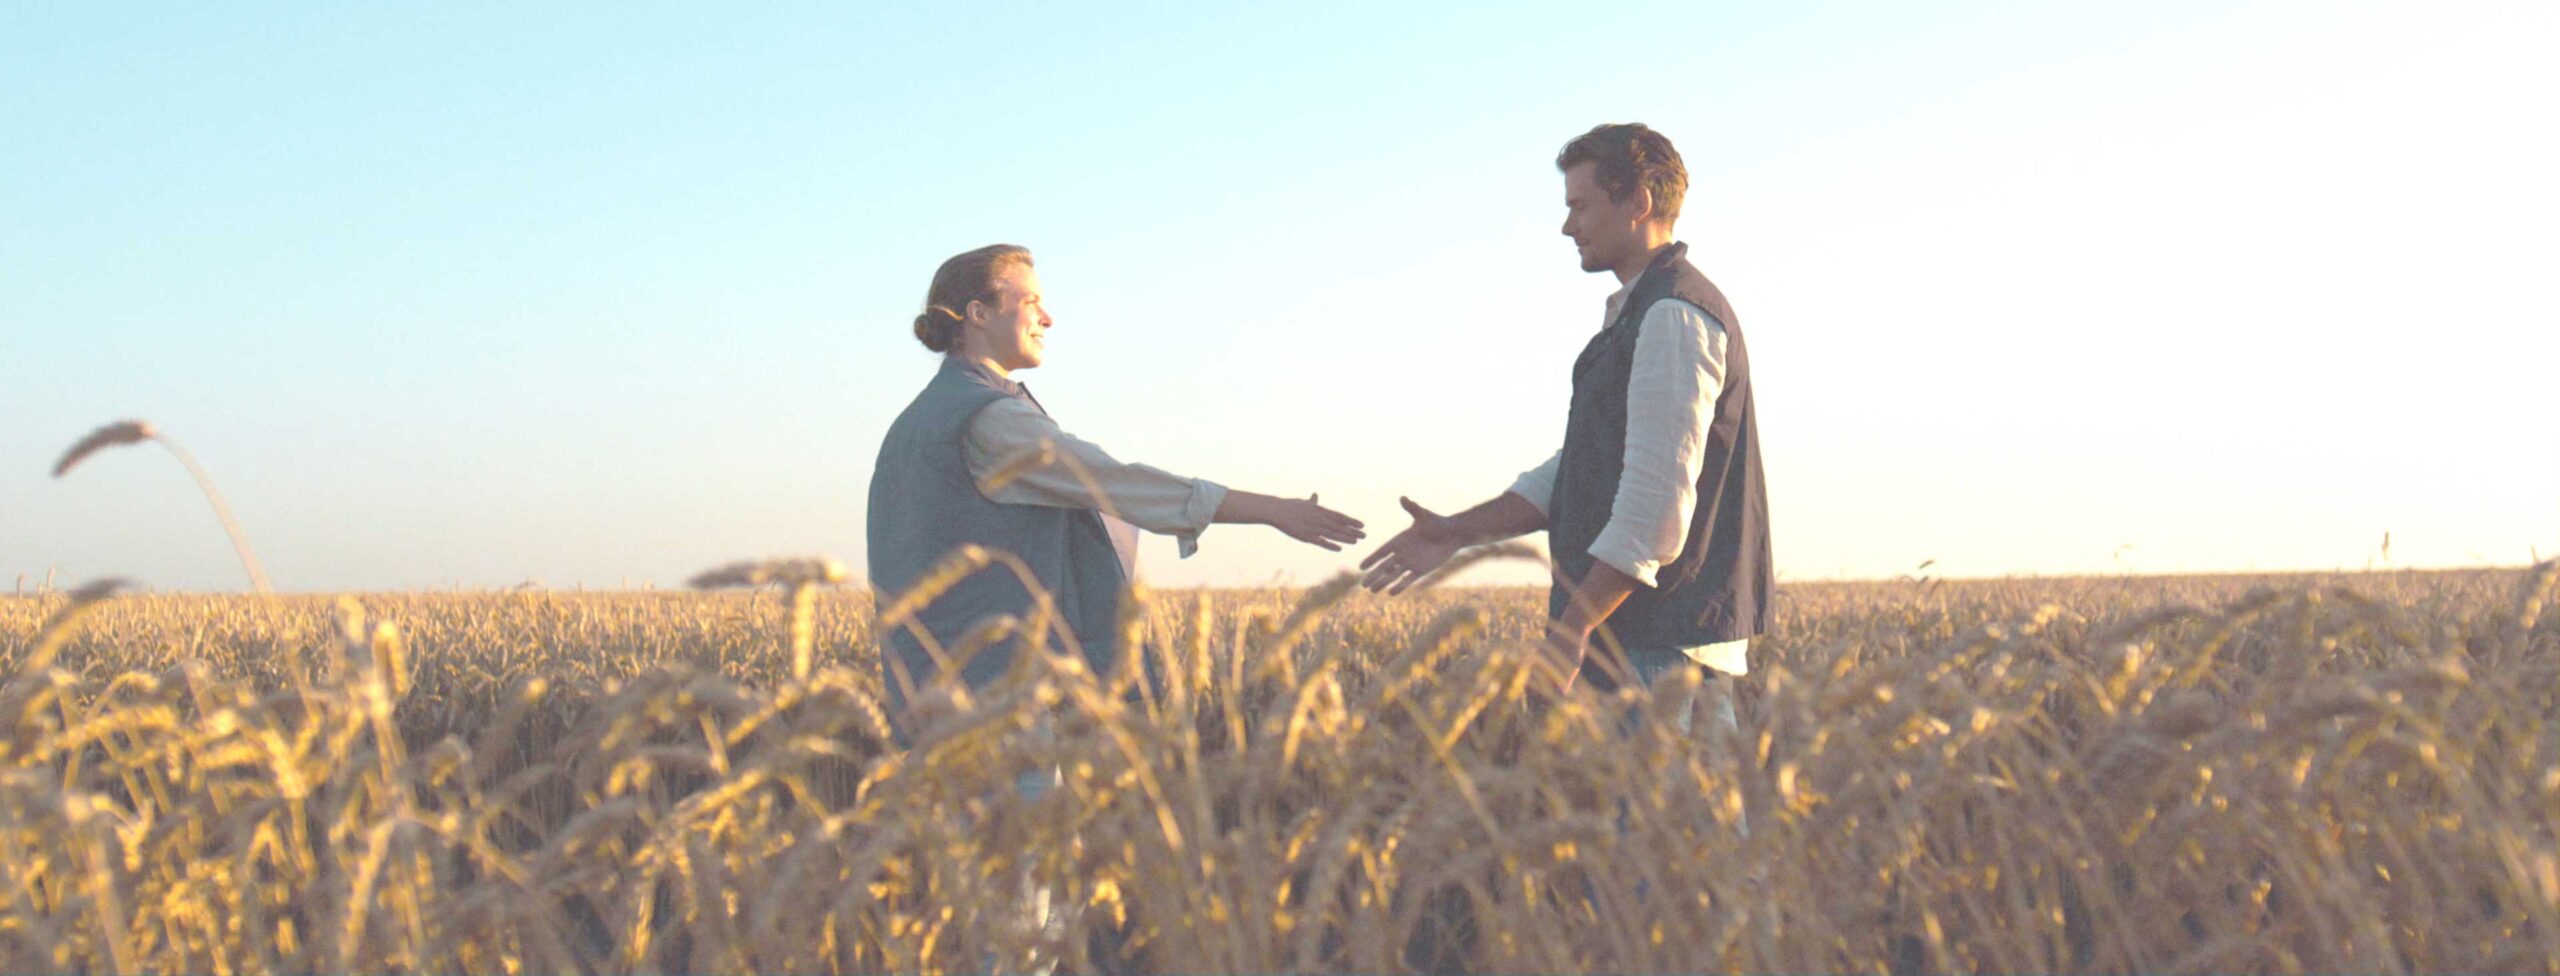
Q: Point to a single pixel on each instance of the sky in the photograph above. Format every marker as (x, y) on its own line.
(463, 295)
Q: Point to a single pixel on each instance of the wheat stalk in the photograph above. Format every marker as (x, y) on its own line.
(124, 432)
(2007, 775)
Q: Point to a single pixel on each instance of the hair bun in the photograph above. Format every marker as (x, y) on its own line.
(937, 327)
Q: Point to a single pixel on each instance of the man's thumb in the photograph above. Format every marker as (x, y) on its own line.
(1412, 509)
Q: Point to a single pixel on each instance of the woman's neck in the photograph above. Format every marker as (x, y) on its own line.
(992, 367)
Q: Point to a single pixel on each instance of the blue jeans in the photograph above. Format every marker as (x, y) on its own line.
(1714, 691)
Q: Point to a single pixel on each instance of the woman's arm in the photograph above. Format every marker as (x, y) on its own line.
(1304, 521)
(1019, 456)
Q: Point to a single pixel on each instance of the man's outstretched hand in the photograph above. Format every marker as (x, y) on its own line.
(1414, 552)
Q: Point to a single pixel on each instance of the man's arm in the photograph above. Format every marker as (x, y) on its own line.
(1501, 517)
(1591, 599)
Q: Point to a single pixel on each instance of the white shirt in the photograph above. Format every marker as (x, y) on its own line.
(1672, 388)
(1148, 497)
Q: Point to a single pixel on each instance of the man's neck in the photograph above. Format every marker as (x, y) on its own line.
(1654, 242)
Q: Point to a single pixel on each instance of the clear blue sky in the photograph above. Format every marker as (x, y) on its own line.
(469, 295)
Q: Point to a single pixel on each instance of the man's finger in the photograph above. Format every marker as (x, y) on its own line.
(1417, 511)
(1382, 552)
(1384, 578)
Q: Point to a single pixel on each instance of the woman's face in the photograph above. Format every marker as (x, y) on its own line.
(1012, 328)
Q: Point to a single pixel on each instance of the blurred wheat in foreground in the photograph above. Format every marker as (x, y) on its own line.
(2179, 775)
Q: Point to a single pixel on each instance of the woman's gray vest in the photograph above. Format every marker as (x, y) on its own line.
(1718, 588)
(924, 504)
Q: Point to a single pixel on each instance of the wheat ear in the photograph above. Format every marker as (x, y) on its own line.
(137, 431)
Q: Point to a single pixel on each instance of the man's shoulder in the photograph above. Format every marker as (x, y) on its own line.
(1674, 312)
(1689, 286)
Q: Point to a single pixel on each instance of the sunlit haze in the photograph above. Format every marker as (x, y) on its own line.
(470, 296)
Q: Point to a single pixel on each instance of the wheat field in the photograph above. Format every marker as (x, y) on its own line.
(2195, 774)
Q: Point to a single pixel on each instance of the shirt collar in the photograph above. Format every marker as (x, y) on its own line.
(1618, 299)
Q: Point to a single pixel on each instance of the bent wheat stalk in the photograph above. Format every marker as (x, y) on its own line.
(136, 431)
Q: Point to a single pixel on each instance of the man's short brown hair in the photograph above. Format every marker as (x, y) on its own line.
(1630, 155)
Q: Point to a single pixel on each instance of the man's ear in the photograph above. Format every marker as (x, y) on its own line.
(1642, 197)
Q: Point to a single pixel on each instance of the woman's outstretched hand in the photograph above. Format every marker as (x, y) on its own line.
(1414, 552)
(1301, 519)
(1315, 524)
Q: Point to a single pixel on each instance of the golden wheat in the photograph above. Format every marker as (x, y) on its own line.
(2191, 774)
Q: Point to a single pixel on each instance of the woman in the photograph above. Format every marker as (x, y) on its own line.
(957, 468)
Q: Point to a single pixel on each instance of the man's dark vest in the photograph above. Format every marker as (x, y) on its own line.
(1718, 588)
(924, 504)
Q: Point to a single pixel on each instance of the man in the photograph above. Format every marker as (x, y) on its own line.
(1654, 508)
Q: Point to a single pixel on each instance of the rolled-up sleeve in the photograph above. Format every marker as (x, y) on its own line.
(1018, 456)
(1671, 398)
(1538, 484)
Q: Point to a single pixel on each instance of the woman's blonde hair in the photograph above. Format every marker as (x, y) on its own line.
(969, 276)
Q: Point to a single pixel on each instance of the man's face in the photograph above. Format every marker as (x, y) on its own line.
(1013, 327)
(1604, 231)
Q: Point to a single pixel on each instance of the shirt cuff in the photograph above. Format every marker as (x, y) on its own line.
(1201, 510)
(1623, 554)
